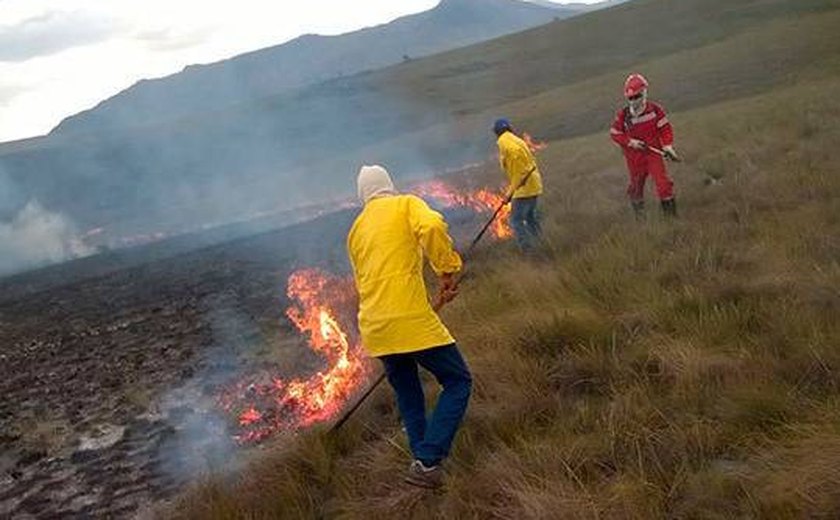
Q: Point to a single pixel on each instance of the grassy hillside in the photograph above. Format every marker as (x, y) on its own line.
(561, 80)
(681, 370)
(772, 54)
(434, 113)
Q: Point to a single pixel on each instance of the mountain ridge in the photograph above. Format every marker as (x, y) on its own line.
(307, 60)
(419, 117)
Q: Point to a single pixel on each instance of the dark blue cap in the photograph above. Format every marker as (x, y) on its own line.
(501, 126)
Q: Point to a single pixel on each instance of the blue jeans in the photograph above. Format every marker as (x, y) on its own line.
(525, 221)
(430, 440)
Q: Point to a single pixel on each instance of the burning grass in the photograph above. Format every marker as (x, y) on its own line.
(265, 405)
(481, 201)
(684, 369)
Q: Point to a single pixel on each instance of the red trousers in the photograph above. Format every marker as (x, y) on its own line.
(640, 165)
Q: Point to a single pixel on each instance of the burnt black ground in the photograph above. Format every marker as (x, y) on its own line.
(101, 362)
(108, 368)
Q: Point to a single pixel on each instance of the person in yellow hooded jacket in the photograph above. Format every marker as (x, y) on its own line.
(387, 245)
(525, 184)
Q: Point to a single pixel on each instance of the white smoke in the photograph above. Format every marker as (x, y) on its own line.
(35, 237)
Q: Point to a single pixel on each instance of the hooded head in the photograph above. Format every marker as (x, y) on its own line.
(374, 181)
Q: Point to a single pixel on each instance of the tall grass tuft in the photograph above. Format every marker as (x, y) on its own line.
(683, 369)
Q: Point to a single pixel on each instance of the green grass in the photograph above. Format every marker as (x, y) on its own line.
(547, 83)
(677, 370)
(655, 370)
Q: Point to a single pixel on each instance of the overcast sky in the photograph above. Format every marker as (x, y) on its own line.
(58, 57)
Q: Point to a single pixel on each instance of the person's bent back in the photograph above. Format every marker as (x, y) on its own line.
(386, 245)
(397, 323)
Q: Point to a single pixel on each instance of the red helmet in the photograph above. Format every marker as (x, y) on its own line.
(635, 84)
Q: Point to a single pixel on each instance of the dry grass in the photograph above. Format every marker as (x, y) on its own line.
(682, 370)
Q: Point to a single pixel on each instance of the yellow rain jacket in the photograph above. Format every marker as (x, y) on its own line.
(517, 160)
(386, 246)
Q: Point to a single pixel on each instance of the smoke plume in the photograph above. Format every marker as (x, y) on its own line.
(34, 237)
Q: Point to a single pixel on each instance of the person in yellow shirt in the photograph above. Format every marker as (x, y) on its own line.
(387, 245)
(525, 183)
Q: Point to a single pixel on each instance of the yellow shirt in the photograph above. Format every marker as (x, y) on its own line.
(517, 160)
(386, 245)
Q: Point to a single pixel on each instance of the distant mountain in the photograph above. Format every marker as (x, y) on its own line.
(302, 146)
(310, 59)
(578, 6)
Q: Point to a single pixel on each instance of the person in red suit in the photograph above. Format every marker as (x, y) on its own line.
(643, 132)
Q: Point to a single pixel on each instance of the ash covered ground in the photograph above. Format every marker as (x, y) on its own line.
(108, 379)
(109, 366)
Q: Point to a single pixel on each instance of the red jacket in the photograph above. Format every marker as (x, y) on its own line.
(651, 127)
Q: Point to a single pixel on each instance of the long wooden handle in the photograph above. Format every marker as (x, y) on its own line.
(362, 399)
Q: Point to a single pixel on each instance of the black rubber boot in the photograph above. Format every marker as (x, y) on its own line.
(669, 208)
(638, 209)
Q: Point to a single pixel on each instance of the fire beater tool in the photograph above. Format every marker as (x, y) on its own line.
(439, 302)
(663, 154)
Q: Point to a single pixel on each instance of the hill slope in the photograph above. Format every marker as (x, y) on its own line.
(651, 370)
(307, 60)
(422, 116)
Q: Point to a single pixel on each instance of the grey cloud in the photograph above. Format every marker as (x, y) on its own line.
(8, 92)
(53, 32)
(169, 39)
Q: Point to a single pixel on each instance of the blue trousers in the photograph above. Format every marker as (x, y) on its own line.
(525, 221)
(430, 439)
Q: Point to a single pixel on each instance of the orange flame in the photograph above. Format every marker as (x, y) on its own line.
(249, 416)
(534, 146)
(265, 405)
(482, 201)
(272, 405)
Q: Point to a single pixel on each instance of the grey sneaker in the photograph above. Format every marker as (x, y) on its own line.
(426, 477)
